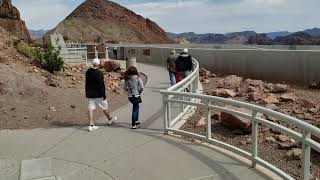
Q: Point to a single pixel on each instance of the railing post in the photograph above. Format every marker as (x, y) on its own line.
(165, 114)
(306, 153)
(208, 119)
(254, 137)
(169, 114)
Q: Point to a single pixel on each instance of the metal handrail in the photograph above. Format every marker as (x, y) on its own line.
(187, 99)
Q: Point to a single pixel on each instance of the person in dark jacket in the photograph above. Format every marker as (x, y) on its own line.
(96, 93)
(184, 64)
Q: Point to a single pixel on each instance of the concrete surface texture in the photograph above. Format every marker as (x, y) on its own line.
(116, 152)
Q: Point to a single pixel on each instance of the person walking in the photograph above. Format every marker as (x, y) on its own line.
(96, 94)
(133, 85)
(115, 52)
(184, 64)
(171, 66)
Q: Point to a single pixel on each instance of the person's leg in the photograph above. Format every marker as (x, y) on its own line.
(107, 113)
(90, 114)
(91, 108)
(134, 109)
(172, 78)
(137, 113)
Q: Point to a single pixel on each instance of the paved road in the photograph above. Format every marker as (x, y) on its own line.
(116, 152)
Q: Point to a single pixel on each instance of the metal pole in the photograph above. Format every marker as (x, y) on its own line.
(306, 153)
(254, 139)
(208, 120)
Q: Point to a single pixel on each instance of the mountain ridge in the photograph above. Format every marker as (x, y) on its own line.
(107, 21)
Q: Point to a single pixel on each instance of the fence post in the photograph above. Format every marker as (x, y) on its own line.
(255, 133)
(208, 119)
(165, 114)
(306, 152)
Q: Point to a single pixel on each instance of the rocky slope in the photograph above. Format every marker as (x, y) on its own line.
(106, 21)
(11, 21)
(31, 97)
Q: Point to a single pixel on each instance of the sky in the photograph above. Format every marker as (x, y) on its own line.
(200, 16)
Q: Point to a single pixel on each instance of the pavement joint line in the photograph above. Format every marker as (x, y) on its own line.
(61, 141)
(208, 176)
(86, 167)
(112, 157)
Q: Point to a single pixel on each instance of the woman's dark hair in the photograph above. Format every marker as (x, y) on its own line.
(130, 72)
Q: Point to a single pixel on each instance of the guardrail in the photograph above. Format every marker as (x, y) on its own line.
(175, 95)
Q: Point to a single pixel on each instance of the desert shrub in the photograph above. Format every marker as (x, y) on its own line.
(33, 53)
(51, 59)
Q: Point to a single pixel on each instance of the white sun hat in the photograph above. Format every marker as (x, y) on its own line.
(185, 51)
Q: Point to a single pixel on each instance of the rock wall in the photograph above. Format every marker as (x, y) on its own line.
(11, 21)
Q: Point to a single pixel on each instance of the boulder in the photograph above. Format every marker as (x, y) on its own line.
(271, 99)
(201, 122)
(289, 97)
(226, 93)
(271, 139)
(112, 66)
(283, 138)
(233, 122)
(307, 104)
(294, 154)
(204, 72)
(277, 88)
(255, 96)
(232, 81)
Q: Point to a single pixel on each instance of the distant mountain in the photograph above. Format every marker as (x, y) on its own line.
(260, 39)
(315, 32)
(306, 37)
(273, 35)
(107, 21)
(36, 34)
(298, 38)
(211, 38)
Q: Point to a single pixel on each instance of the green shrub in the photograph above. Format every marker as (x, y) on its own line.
(51, 59)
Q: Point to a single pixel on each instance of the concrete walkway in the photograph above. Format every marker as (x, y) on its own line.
(116, 152)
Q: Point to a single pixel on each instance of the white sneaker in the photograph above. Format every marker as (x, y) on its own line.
(112, 120)
(93, 128)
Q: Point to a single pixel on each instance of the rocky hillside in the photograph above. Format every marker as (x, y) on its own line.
(11, 21)
(106, 21)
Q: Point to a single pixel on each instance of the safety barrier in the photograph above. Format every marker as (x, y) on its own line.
(185, 100)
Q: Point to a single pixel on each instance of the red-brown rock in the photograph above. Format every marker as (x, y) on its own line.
(10, 20)
(290, 97)
(226, 93)
(271, 99)
(255, 96)
(112, 66)
(277, 88)
(204, 72)
(235, 122)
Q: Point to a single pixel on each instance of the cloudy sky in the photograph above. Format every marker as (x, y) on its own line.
(201, 16)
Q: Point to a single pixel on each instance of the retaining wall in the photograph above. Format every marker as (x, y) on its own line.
(292, 66)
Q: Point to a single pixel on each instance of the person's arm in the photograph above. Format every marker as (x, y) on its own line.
(124, 86)
(86, 84)
(102, 85)
(141, 86)
(168, 66)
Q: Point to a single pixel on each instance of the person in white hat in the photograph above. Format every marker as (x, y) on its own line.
(96, 93)
(184, 64)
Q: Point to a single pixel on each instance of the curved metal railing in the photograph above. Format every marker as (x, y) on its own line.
(175, 95)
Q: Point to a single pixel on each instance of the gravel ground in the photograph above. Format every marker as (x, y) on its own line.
(268, 150)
